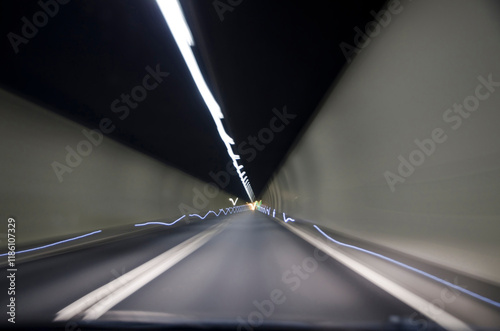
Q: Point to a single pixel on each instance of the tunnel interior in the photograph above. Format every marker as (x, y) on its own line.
(366, 126)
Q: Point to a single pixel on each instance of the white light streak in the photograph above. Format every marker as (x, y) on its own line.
(172, 12)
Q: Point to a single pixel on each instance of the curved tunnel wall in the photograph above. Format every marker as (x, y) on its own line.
(402, 87)
(112, 185)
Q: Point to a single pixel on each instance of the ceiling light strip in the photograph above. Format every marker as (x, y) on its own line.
(172, 12)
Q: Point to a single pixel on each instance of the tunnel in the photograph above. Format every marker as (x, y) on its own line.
(250, 165)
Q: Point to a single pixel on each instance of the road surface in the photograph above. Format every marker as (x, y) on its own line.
(251, 271)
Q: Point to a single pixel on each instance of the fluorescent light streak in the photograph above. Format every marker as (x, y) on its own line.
(423, 273)
(161, 223)
(53, 244)
(274, 212)
(233, 201)
(172, 12)
(287, 219)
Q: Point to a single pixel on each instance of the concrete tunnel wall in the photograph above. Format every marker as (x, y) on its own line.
(400, 88)
(113, 185)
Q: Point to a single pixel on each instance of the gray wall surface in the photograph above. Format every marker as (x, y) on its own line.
(111, 184)
(422, 77)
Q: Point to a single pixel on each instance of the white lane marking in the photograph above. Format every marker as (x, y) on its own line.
(444, 319)
(413, 269)
(97, 302)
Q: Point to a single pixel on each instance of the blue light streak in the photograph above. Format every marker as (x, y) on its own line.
(423, 273)
(287, 219)
(228, 210)
(161, 223)
(211, 211)
(53, 244)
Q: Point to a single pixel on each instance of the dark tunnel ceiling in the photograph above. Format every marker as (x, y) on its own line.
(264, 54)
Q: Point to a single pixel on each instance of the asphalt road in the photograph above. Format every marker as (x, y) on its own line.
(253, 272)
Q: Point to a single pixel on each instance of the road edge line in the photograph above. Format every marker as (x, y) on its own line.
(444, 319)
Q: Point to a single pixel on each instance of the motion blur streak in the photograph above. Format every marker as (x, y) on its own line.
(205, 215)
(447, 211)
(287, 219)
(228, 210)
(172, 12)
(161, 223)
(423, 273)
(56, 243)
(416, 301)
(120, 182)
